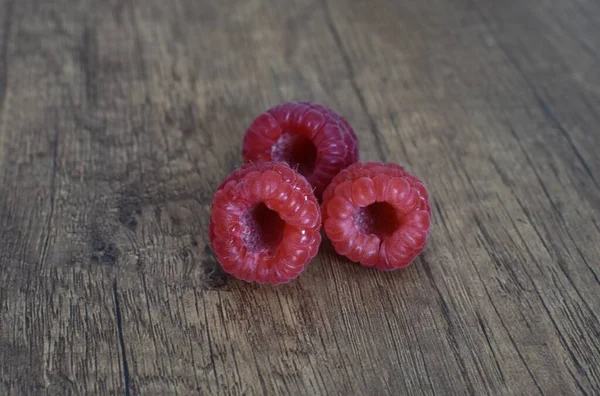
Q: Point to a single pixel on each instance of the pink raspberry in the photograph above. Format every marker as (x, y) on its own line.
(309, 137)
(377, 214)
(264, 223)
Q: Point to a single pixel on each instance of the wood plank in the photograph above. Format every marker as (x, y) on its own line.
(517, 173)
(59, 333)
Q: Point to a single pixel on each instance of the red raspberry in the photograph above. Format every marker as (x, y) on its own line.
(309, 137)
(377, 214)
(264, 223)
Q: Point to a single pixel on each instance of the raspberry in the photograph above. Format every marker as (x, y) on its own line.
(377, 214)
(309, 137)
(264, 223)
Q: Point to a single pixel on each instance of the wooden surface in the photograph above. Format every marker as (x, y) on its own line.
(119, 118)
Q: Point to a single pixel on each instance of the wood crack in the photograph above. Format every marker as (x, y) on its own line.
(352, 75)
(547, 310)
(508, 333)
(88, 65)
(546, 110)
(558, 213)
(118, 315)
(451, 329)
(8, 19)
(52, 190)
(549, 114)
(489, 344)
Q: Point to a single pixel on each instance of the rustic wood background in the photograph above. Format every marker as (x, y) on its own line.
(118, 119)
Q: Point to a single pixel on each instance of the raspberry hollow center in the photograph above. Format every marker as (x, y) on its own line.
(298, 151)
(265, 229)
(379, 218)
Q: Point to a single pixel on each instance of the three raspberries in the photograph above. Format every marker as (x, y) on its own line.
(265, 217)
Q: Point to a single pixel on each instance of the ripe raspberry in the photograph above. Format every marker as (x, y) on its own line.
(377, 214)
(309, 137)
(264, 223)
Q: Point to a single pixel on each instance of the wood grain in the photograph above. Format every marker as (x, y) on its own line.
(119, 118)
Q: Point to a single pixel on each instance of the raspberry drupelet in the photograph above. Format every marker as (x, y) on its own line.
(264, 223)
(377, 214)
(309, 137)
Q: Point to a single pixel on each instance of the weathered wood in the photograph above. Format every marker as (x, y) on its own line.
(119, 118)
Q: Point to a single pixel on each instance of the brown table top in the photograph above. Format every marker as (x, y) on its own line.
(119, 118)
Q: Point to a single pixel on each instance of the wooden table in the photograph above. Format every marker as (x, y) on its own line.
(119, 118)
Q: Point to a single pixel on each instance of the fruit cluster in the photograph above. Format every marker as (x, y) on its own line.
(266, 218)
